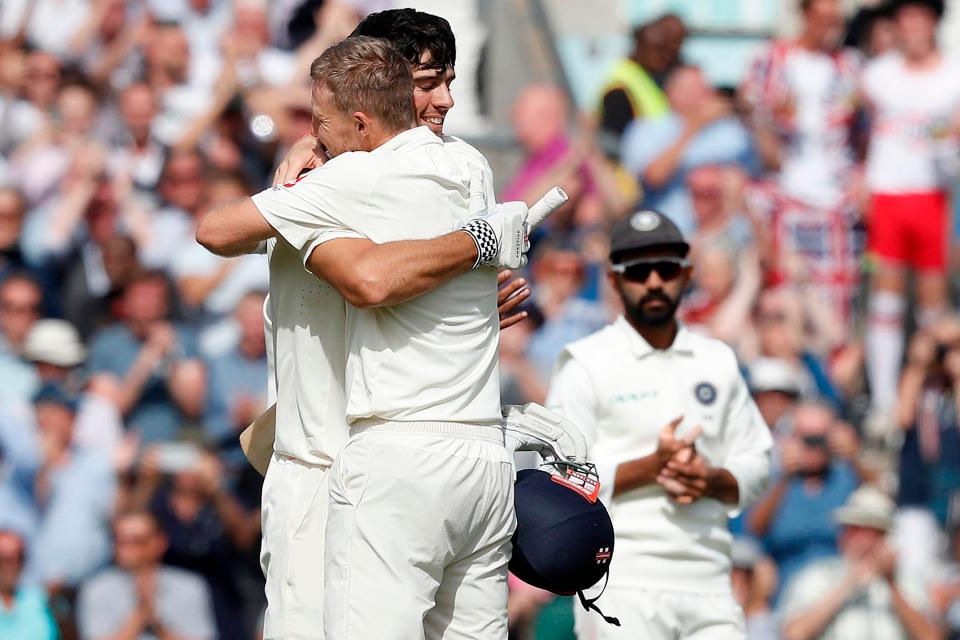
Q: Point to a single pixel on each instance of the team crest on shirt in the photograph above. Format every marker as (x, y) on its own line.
(706, 393)
(644, 221)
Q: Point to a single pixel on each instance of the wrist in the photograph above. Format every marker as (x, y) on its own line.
(484, 239)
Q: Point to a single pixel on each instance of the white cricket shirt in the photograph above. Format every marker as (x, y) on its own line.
(913, 114)
(621, 392)
(431, 358)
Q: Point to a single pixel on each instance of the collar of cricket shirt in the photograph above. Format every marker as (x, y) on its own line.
(640, 348)
(417, 134)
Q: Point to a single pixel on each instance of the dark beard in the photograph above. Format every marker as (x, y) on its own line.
(642, 318)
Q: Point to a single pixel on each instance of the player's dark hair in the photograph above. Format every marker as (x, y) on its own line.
(413, 33)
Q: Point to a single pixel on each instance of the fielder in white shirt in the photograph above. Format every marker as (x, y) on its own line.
(678, 443)
(423, 371)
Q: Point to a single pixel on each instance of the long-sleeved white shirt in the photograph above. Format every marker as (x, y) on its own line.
(621, 392)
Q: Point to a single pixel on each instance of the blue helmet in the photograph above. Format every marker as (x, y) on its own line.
(564, 537)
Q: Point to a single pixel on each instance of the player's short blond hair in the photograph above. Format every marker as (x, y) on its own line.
(368, 75)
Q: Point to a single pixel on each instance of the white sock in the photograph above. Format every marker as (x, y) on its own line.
(884, 342)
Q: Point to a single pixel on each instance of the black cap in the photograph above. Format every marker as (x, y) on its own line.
(937, 6)
(644, 229)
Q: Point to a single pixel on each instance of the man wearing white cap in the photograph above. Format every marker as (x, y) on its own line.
(857, 595)
(56, 352)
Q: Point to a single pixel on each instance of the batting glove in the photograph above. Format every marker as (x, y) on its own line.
(501, 236)
(532, 427)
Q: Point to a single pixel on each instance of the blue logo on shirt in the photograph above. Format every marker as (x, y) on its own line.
(706, 393)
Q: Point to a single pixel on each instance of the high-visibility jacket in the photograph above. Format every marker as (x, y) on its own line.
(646, 98)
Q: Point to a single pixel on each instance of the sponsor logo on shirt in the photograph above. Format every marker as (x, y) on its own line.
(603, 555)
(623, 398)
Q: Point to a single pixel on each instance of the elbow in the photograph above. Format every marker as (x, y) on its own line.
(208, 237)
(367, 290)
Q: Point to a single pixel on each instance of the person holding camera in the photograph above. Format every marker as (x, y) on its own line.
(819, 471)
(929, 486)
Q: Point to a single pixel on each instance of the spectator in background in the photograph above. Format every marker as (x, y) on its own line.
(800, 98)
(136, 156)
(859, 594)
(775, 387)
(871, 31)
(56, 352)
(540, 114)
(753, 579)
(212, 284)
(633, 87)
(71, 489)
(21, 300)
(726, 283)
(945, 593)
(21, 305)
(140, 597)
(236, 393)
(558, 271)
(913, 95)
(13, 209)
(520, 381)
(161, 383)
(24, 612)
(929, 465)
(790, 327)
(818, 464)
(699, 130)
(169, 229)
(205, 526)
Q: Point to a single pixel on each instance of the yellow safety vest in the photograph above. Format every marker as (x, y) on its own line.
(646, 98)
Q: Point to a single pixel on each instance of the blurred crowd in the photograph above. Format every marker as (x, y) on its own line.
(130, 358)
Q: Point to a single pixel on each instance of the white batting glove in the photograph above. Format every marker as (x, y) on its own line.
(501, 236)
(533, 427)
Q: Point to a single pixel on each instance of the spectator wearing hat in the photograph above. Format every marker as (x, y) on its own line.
(57, 353)
(678, 442)
(24, 612)
(754, 579)
(71, 490)
(858, 594)
(775, 386)
(818, 472)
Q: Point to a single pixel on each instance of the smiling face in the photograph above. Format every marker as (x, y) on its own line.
(431, 93)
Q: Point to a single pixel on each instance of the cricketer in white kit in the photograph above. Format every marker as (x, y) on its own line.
(669, 496)
(336, 189)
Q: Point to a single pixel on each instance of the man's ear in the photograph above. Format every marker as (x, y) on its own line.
(362, 123)
(612, 279)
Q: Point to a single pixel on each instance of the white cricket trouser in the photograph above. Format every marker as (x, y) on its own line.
(660, 614)
(294, 516)
(418, 539)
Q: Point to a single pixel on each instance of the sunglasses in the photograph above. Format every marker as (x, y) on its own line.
(639, 270)
(814, 442)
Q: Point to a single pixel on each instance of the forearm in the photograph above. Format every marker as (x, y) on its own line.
(636, 473)
(813, 622)
(767, 507)
(234, 519)
(722, 486)
(662, 169)
(917, 625)
(132, 384)
(393, 272)
(234, 228)
(911, 384)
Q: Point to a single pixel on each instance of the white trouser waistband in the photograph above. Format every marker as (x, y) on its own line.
(491, 432)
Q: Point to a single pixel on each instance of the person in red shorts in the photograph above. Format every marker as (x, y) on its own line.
(913, 95)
